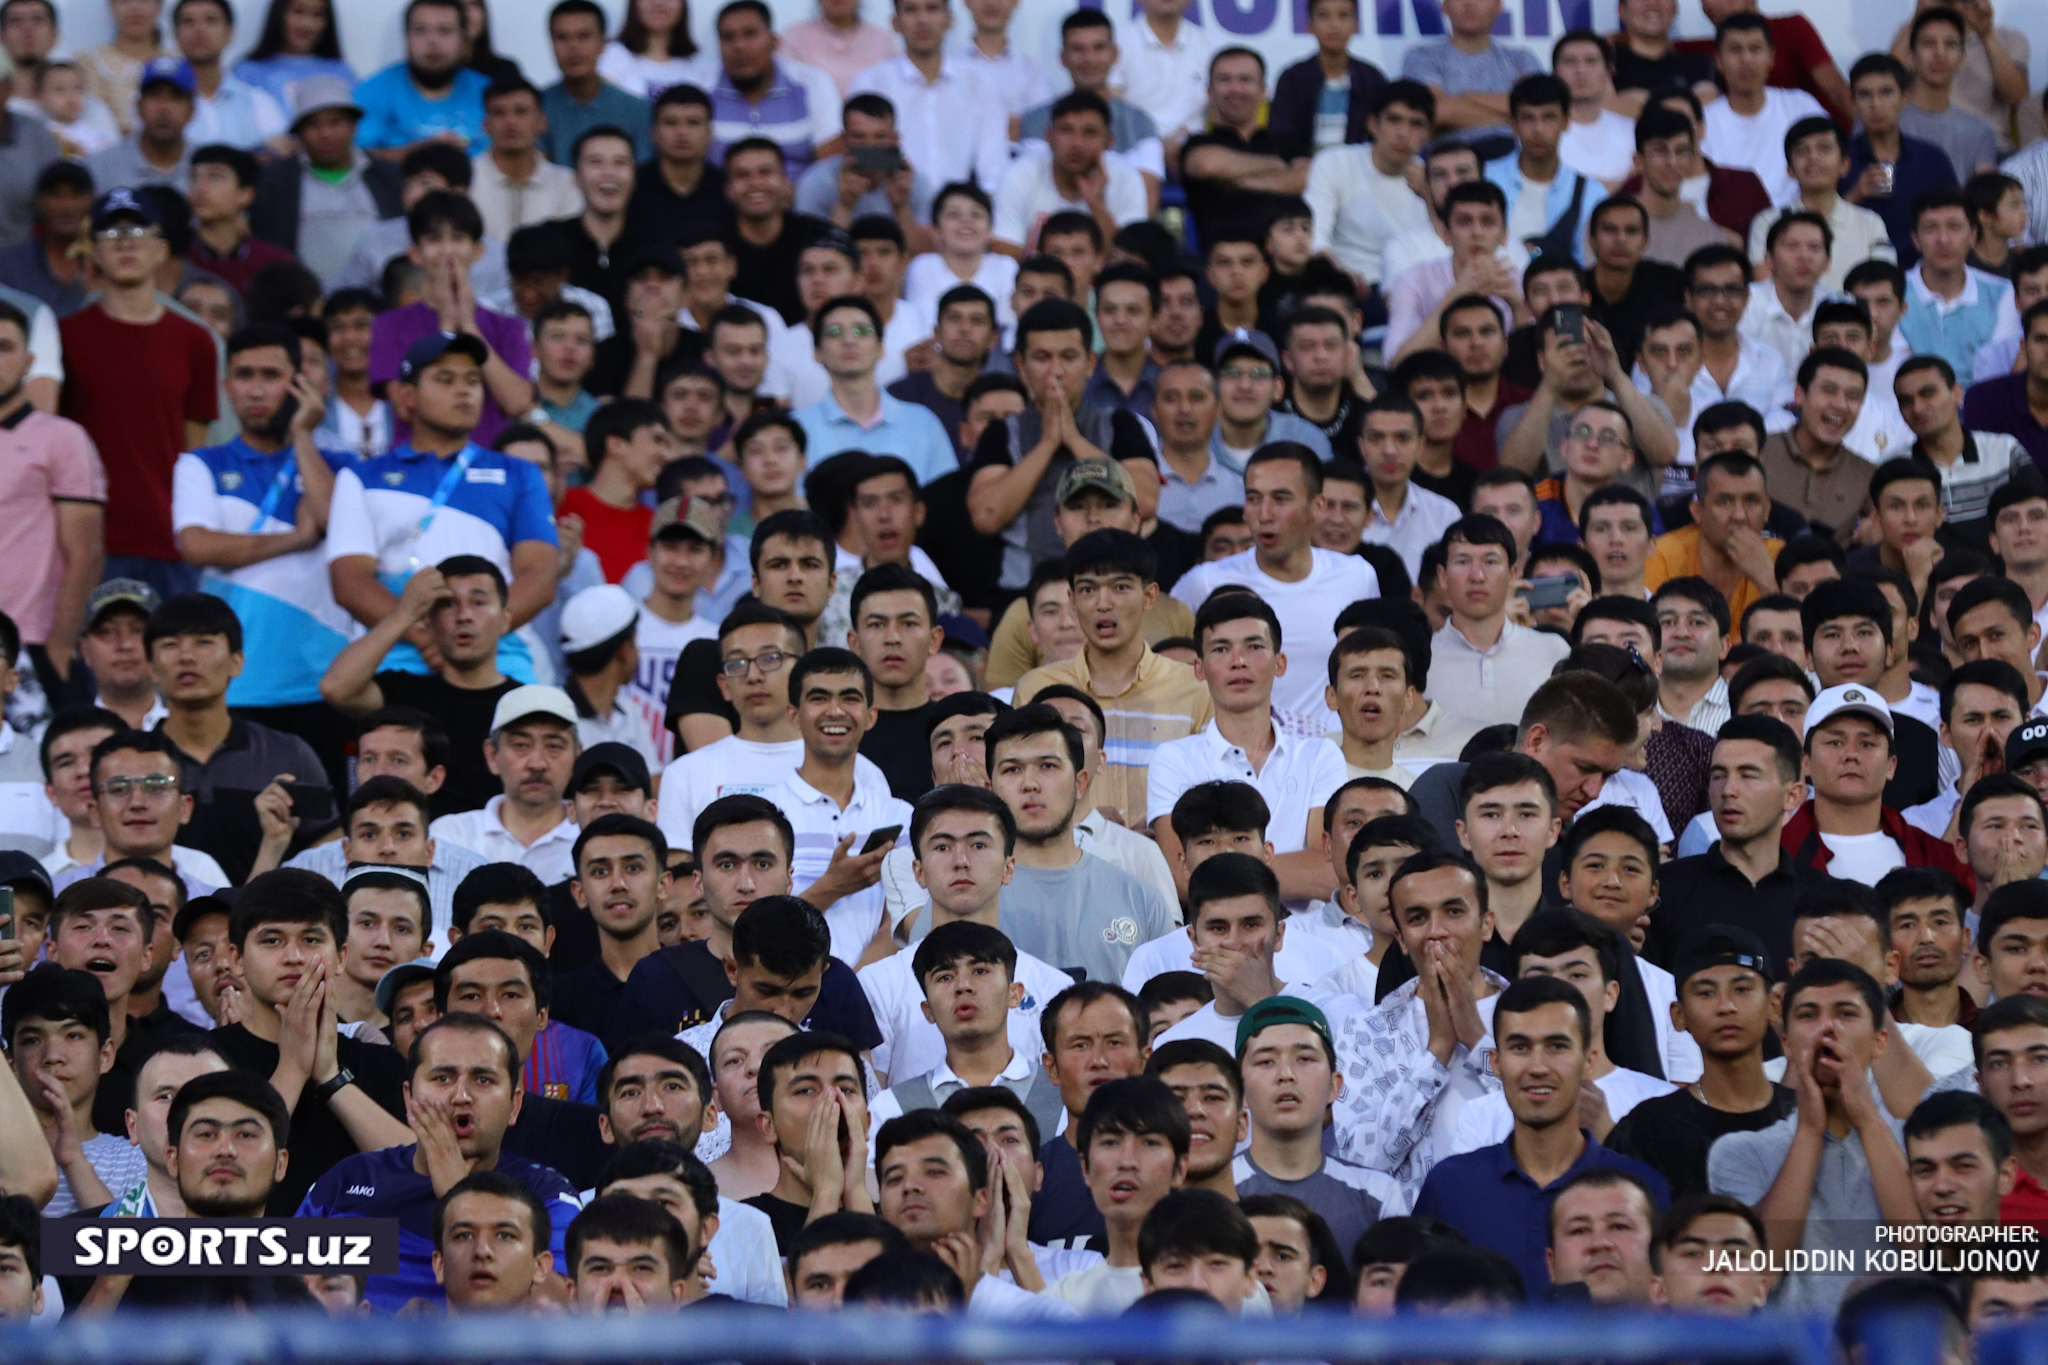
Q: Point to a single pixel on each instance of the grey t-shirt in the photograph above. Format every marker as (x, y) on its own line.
(1843, 1214)
(1340, 1192)
(1639, 476)
(1089, 916)
(1455, 72)
(817, 193)
(1968, 140)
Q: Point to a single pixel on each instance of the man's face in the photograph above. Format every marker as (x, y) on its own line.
(487, 1257)
(1220, 1275)
(1541, 1061)
(469, 1073)
(1717, 295)
(1693, 643)
(632, 1277)
(758, 186)
(1514, 506)
(1372, 695)
(746, 45)
(1123, 309)
(1508, 830)
(1725, 1009)
(1548, 288)
(448, 397)
(1287, 1264)
(821, 1078)
(924, 1190)
(2020, 534)
(818, 1278)
(1956, 1180)
(28, 31)
(1994, 1301)
(1596, 445)
(1830, 404)
(1619, 540)
(1216, 1115)
(500, 990)
(1614, 879)
(1600, 1237)
(391, 832)
(1667, 161)
(1035, 777)
(1780, 632)
(108, 943)
(1884, 304)
(412, 1009)
(1944, 236)
(533, 759)
(1477, 578)
(513, 121)
(2016, 962)
(1747, 790)
(1621, 235)
(682, 132)
(1927, 402)
(1093, 1044)
(1289, 1081)
(1476, 230)
(888, 514)
(1700, 1268)
(1937, 53)
(1055, 365)
(1878, 100)
(761, 692)
(652, 1097)
(894, 635)
(2007, 841)
(1184, 407)
(1437, 914)
(1583, 70)
(1347, 505)
(434, 40)
(1744, 57)
(226, 1160)
(156, 1085)
(1238, 663)
(384, 929)
(1237, 269)
(621, 882)
(1475, 340)
(211, 962)
(1578, 768)
(967, 331)
(1078, 141)
(194, 668)
(1128, 1173)
(1180, 314)
(65, 1052)
(738, 865)
(1237, 87)
(1834, 1022)
(1849, 758)
(1988, 631)
(1850, 649)
(1980, 719)
(2012, 1072)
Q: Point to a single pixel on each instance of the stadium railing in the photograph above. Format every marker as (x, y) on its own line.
(1532, 1337)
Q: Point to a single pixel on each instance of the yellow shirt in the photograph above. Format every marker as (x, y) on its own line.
(1676, 554)
(1011, 654)
(1164, 702)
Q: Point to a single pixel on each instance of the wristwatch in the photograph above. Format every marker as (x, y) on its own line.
(327, 1090)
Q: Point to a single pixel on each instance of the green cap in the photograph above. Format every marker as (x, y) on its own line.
(1281, 1009)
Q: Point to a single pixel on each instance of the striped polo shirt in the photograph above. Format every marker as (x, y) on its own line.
(1164, 703)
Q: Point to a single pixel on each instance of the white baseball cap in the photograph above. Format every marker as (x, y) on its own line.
(1848, 698)
(595, 615)
(532, 700)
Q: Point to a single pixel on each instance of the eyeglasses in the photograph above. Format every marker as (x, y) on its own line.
(1607, 437)
(1257, 373)
(126, 232)
(768, 661)
(835, 330)
(156, 784)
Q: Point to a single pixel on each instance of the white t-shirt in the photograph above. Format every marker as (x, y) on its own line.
(1863, 857)
(646, 77)
(1301, 958)
(730, 767)
(929, 279)
(1756, 142)
(1028, 196)
(1637, 792)
(1308, 613)
(661, 644)
(1604, 150)
(1528, 215)
(911, 1044)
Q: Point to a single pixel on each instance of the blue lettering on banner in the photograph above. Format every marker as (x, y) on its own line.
(1252, 18)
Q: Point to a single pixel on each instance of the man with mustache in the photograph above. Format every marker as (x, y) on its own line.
(461, 1096)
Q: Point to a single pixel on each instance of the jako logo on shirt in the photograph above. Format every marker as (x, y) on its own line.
(366, 1191)
(1120, 930)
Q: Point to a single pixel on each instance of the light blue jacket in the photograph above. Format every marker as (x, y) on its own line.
(1506, 172)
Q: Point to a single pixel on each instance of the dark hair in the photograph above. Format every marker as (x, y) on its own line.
(245, 1088)
(846, 1229)
(1841, 598)
(1235, 604)
(1445, 1275)
(919, 1124)
(949, 945)
(1479, 529)
(497, 884)
(893, 578)
(1990, 788)
(1026, 721)
(1955, 1108)
(617, 824)
(1081, 995)
(633, 31)
(1990, 588)
(1830, 971)
(785, 936)
(1600, 820)
(21, 1227)
(387, 790)
(56, 995)
(494, 945)
(1054, 315)
(631, 1221)
(905, 1279)
(271, 42)
(1403, 1239)
(1196, 1222)
(975, 1098)
(1228, 876)
(1699, 592)
(1530, 993)
(1683, 1213)
(797, 1048)
(2026, 900)
(664, 1046)
(70, 721)
(1538, 89)
(1767, 729)
(288, 895)
(193, 613)
(493, 1182)
(1111, 552)
(955, 797)
(1196, 1052)
(1490, 772)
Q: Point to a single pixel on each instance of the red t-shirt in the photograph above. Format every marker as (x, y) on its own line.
(1796, 53)
(2028, 1203)
(133, 388)
(616, 535)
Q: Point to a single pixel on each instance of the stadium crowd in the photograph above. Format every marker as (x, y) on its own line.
(808, 673)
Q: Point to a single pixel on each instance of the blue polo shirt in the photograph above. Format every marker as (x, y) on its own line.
(1484, 1195)
(383, 1184)
(908, 431)
(1921, 167)
(396, 114)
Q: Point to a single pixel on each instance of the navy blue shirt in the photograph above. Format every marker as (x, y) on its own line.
(1063, 1212)
(679, 988)
(1921, 167)
(1484, 1195)
(2001, 405)
(383, 1184)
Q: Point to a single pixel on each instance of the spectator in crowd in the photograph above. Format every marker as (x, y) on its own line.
(1816, 156)
(1935, 43)
(1747, 129)
(1132, 1140)
(1953, 309)
(1666, 148)
(1889, 168)
(1072, 176)
(514, 184)
(583, 99)
(797, 107)
(330, 184)
(228, 109)
(1469, 73)
(59, 1039)
(1329, 98)
(431, 95)
(1556, 216)
(1598, 139)
(531, 750)
(158, 152)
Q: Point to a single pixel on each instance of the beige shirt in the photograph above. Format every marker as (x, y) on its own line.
(1011, 653)
(1165, 702)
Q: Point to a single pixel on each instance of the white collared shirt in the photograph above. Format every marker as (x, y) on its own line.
(1760, 379)
(1020, 81)
(944, 1081)
(954, 128)
(483, 833)
(1168, 81)
(819, 824)
(1490, 685)
(1297, 777)
(1859, 235)
(508, 205)
(238, 113)
(1767, 322)
(911, 1043)
(1421, 522)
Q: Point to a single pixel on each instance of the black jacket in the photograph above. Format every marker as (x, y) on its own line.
(274, 217)
(1291, 118)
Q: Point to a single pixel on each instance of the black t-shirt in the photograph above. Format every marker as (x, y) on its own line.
(603, 270)
(680, 987)
(318, 1138)
(658, 213)
(465, 714)
(613, 364)
(787, 1219)
(560, 1134)
(899, 747)
(116, 1093)
(1214, 203)
(767, 274)
(1176, 550)
(1665, 75)
(1456, 485)
(588, 998)
(575, 932)
(1673, 1132)
(1651, 289)
(1063, 1212)
(1918, 777)
(693, 690)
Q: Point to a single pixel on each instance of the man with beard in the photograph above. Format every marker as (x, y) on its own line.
(163, 1074)
(463, 1094)
(769, 237)
(658, 1089)
(229, 1140)
(430, 96)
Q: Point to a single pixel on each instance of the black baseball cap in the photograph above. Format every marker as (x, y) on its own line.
(2026, 744)
(433, 346)
(1720, 945)
(18, 868)
(622, 761)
